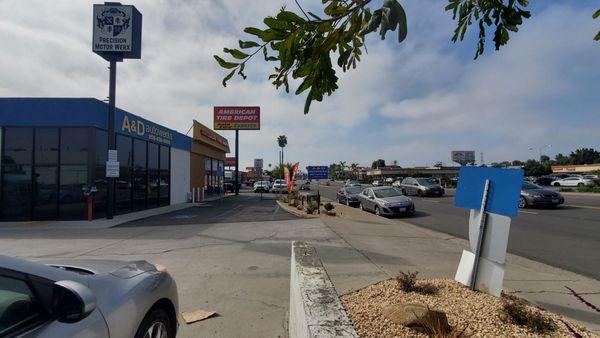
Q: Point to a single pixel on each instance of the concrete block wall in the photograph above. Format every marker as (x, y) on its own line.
(315, 308)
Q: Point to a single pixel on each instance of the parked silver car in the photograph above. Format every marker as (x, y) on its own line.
(385, 201)
(86, 298)
(421, 187)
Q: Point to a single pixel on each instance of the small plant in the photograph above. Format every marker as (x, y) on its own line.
(285, 199)
(518, 313)
(585, 188)
(565, 189)
(328, 206)
(311, 207)
(407, 280)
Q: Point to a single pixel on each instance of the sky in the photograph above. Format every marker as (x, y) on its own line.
(412, 102)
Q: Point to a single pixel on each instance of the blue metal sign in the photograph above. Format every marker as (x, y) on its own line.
(503, 195)
(317, 172)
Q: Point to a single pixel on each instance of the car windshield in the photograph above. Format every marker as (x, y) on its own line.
(388, 192)
(426, 181)
(530, 186)
(353, 190)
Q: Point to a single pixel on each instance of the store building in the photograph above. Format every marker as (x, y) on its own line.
(51, 149)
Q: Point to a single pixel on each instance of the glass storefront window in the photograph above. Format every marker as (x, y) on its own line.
(46, 146)
(17, 175)
(153, 174)
(74, 145)
(45, 192)
(140, 178)
(123, 183)
(100, 180)
(73, 178)
(165, 180)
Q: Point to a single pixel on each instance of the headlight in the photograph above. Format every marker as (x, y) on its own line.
(387, 204)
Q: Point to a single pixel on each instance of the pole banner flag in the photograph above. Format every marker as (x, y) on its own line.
(286, 175)
(293, 180)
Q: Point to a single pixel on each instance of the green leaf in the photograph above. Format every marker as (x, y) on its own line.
(307, 83)
(236, 53)
(225, 64)
(227, 78)
(248, 44)
(597, 37)
(277, 24)
(308, 102)
(254, 31)
(596, 15)
(290, 16)
(402, 26)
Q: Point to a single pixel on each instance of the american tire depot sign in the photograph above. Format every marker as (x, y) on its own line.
(117, 31)
(237, 118)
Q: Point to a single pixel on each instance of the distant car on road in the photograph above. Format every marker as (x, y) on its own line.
(573, 182)
(279, 186)
(534, 195)
(421, 187)
(352, 184)
(262, 186)
(396, 183)
(349, 195)
(389, 180)
(304, 186)
(377, 183)
(86, 298)
(385, 201)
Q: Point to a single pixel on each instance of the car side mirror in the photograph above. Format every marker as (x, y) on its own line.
(72, 301)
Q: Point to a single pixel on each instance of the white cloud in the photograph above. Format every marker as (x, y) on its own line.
(412, 102)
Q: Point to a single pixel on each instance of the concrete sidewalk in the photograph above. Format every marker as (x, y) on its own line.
(391, 246)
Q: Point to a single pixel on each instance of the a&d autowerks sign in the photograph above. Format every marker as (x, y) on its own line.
(117, 31)
(237, 118)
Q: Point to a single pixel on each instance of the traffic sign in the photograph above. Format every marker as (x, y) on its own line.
(317, 172)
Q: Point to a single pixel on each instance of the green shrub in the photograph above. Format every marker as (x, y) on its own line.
(328, 206)
(285, 199)
(518, 313)
(596, 189)
(311, 207)
(565, 189)
(407, 280)
(585, 188)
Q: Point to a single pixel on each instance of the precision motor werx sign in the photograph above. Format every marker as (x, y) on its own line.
(237, 118)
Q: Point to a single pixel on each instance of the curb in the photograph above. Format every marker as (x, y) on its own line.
(295, 211)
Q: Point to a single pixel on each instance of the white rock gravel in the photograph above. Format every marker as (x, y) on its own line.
(479, 312)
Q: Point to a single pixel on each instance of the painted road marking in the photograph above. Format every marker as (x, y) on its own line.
(528, 212)
(424, 200)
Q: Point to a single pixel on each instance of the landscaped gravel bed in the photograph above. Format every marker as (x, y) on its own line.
(479, 312)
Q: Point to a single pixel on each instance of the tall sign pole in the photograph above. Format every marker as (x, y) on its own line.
(237, 162)
(110, 205)
(117, 35)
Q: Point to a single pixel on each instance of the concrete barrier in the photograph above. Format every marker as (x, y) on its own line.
(315, 308)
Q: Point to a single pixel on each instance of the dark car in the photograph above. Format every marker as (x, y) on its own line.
(421, 187)
(349, 195)
(534, 195)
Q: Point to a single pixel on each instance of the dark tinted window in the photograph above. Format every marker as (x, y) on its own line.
(45, 192)
(73, 178)
(46, 146)
(18, 146)
(124, 150)
(16, 192)
(123, 183)
(140, 180)
(101, 147)
(152, 155)
(164, 158)
(19, 307)
(74, 145)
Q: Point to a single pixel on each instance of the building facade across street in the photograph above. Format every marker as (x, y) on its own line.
(53, 149)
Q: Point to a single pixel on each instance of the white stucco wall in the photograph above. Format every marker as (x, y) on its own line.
(180, 175)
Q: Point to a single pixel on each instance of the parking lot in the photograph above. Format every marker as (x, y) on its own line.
(565, 237)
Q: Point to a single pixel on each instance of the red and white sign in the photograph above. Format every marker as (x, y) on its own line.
(229, 161)
(237, 118)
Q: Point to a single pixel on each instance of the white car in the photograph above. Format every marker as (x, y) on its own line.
(279, 186)
(389, 180)
(377, 183)
(573, 182)
(396, 183)
(262, 186)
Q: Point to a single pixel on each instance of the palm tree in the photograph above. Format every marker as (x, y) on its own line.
(282, 142)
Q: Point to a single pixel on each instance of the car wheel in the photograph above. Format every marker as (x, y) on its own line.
(360, 206)
(580, 184)
(156, 324)
(522, 202)
(420, 193)
(377, 211)
(557, 184)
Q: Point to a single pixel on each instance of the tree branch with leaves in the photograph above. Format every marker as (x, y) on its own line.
(306, 48)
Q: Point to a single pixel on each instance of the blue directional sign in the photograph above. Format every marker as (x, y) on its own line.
(503, 194)
(317, 172)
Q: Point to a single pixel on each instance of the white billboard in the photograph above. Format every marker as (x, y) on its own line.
(113, 28)
(463, 156)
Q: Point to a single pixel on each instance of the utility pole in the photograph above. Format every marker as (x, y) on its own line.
(110, 205)
(237, 162)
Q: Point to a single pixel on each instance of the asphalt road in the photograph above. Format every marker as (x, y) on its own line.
(567, 237)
